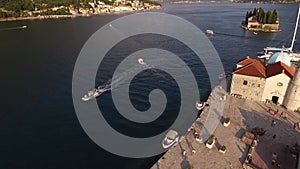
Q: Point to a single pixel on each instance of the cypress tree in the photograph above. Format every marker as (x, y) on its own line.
(269, 17)
(274, 17)
(264, 19)
(246, 18)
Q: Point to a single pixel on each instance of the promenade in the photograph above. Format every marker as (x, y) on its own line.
(245, 115)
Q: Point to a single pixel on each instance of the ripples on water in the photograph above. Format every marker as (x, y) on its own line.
(38, 125)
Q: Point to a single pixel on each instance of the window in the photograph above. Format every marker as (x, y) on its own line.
(245, 82)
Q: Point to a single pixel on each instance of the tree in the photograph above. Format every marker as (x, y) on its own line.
(246, 17)
(261, 14)
(269, 17)
(254, 12)
(264, 21)
(274, 17)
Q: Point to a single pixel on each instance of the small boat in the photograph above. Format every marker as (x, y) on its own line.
(141, 61)
(200, 105)
(255, 33)
(24, 27)
(93, 94)
(171, 138)
(210, 32)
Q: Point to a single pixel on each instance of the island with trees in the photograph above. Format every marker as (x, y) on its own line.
(40, 9)
(260, 20)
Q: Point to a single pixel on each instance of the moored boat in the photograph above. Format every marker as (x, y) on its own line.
(200, 105)
(171, 138)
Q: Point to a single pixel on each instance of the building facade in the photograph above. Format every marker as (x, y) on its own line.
(252, 80)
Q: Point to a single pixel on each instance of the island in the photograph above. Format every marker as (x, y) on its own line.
(259, 20)
(42, 9)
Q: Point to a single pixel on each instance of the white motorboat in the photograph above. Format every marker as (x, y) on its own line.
(200, 105)
(171, 138)
(141, 61)
(210, 32)
(93, 93)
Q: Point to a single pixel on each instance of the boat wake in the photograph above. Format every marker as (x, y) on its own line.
(13, 28)
(115, 81)
(123, 77)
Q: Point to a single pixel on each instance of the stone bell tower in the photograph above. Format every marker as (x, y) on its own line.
(292, 96)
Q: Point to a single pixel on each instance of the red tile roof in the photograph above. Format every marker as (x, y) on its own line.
(245, 62)
(279, 67)
(253, 67)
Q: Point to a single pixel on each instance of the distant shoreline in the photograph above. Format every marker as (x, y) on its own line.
(37, 17)
(67, 16)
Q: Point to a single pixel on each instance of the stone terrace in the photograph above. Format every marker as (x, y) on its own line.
(244, 115)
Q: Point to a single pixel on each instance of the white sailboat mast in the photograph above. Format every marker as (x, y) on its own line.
(295, 31)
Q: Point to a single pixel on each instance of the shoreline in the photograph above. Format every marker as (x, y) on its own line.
(9, 19)
(261, 30)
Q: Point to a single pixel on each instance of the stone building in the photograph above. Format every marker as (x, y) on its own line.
(253, 22)
(292, 98)
(249, 79)
(278, 77)
(254, 81)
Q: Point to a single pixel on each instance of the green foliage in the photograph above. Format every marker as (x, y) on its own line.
(3, 14)
(261, 16)
(258, 131)
(16, 8)
(62, 11)
(274, 17)
(223, 148)
(227, 120)
(189, 167)
(211, 139)
(264, 21)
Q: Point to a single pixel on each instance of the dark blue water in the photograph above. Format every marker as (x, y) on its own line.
(38, 124)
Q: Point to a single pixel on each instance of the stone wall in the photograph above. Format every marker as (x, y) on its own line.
(276, 86)
(247, 86)
(271, 26)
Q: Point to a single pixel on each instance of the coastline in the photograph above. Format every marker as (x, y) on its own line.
(37, 17)
(261, 30)
(70, 16)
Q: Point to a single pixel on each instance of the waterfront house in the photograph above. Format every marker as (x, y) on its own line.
(255, 81)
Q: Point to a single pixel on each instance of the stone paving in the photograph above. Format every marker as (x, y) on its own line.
(244, 115)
